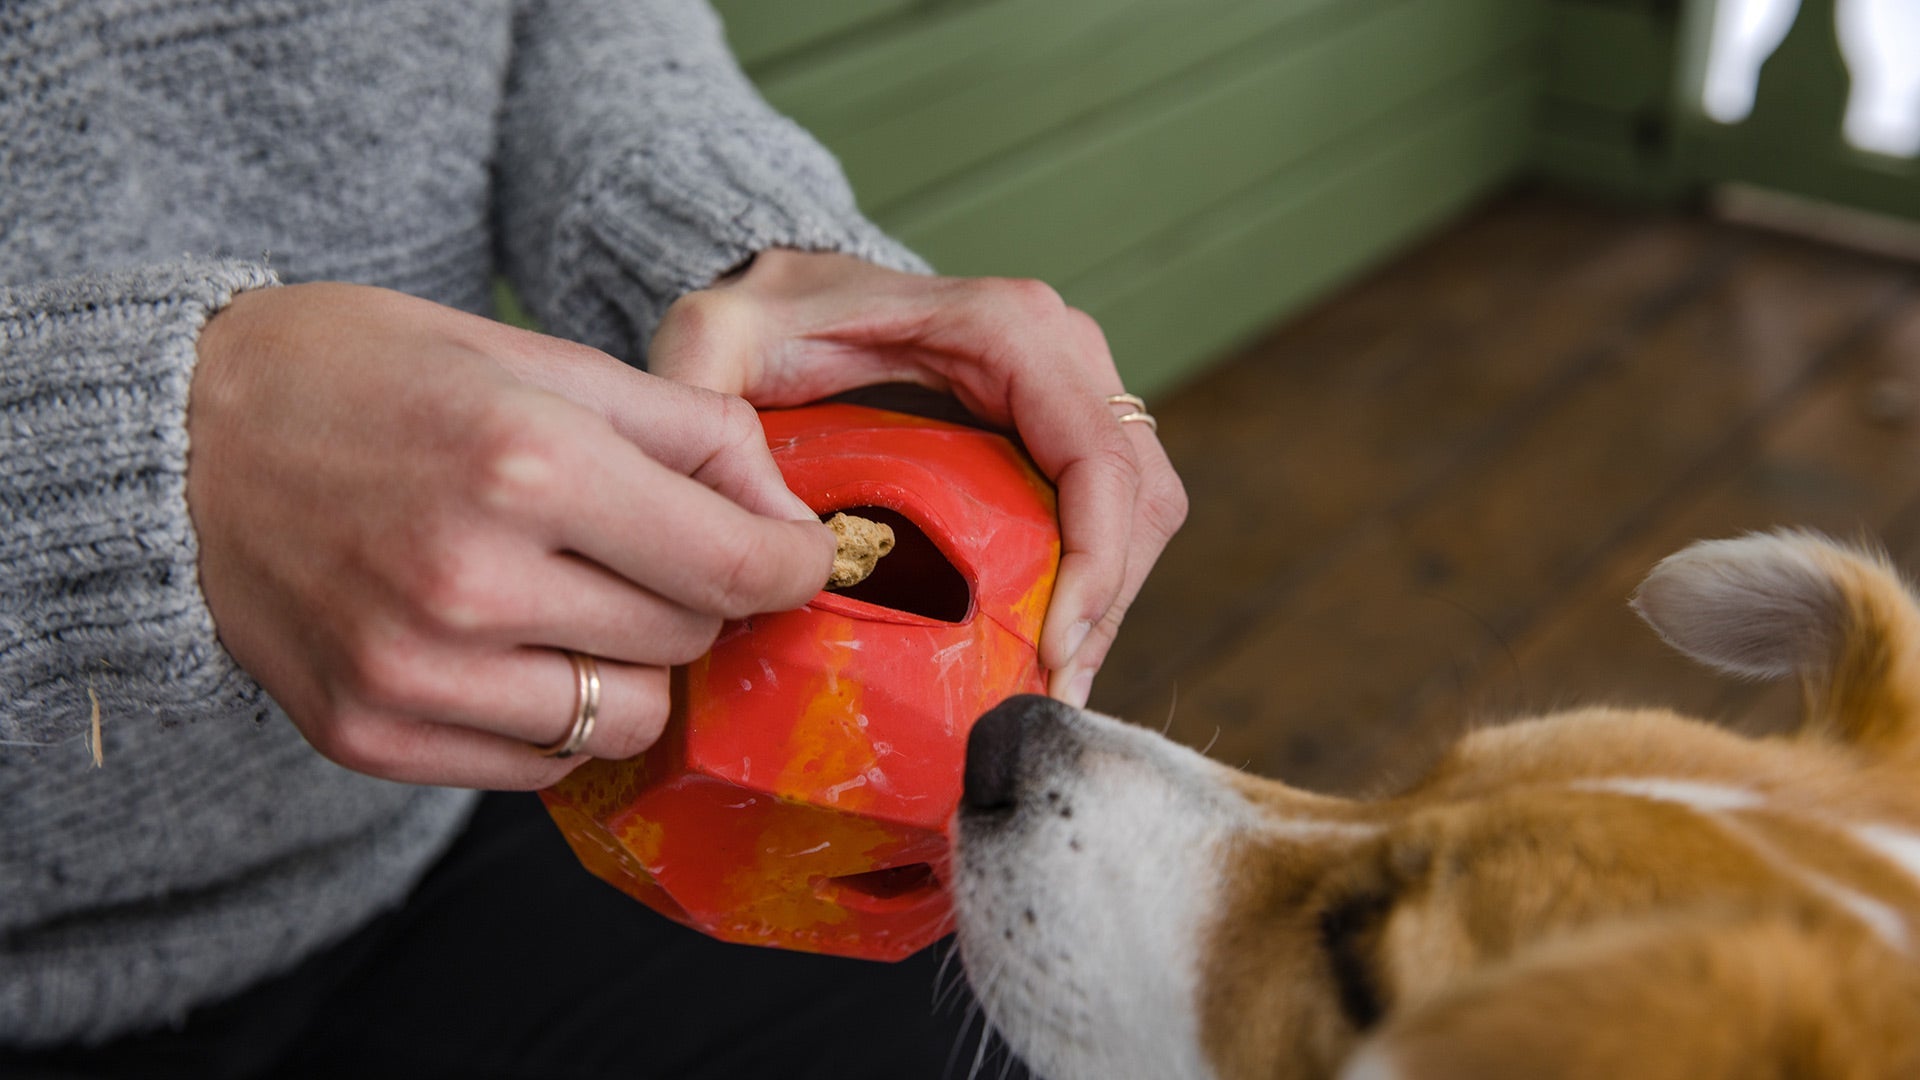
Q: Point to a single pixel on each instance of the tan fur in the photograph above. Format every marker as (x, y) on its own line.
(1609, 893)
(1867, 697)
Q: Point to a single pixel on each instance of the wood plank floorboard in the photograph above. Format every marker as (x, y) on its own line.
(1424, 504)
(1373, 401)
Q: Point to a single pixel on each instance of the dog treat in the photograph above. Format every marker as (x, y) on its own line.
(862, 543)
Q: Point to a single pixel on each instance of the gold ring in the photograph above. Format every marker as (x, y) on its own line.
(1136, 410)
(586, 707)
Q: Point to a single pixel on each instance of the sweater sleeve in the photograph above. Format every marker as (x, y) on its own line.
(98, 583)
(637, 163)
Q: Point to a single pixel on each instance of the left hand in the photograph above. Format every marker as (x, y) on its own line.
(796, 327)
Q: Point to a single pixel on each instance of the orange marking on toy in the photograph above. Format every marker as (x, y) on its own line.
(796, 852)
(1030, 611)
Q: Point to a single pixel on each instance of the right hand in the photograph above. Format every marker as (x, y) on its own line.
(405, 512)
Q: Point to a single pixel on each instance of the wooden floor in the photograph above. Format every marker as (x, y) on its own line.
(1425, 504)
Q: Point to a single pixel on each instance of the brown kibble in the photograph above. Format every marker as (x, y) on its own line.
(862, 543)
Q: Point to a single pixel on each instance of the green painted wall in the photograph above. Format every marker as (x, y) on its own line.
(1607, 111)
(1188, 171)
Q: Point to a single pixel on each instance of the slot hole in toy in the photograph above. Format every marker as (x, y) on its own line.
(915, 577)
(884, 891)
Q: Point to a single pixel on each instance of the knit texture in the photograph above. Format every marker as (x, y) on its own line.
(606, 154)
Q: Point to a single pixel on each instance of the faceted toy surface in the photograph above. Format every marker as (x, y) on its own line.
(801, 794)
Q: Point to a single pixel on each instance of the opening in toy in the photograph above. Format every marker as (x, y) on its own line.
(891, 889)
(914, 577)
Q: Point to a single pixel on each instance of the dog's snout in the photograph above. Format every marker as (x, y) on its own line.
(993, 751)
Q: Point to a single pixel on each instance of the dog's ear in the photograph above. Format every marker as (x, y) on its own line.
(1794, 603)
(1768, 998)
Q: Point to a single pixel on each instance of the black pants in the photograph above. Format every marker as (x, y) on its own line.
(511, 961)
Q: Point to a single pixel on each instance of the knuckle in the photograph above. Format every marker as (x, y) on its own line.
(1086, 331)
(513, 462)
(354, 739)
(380, 677)
(1114, 457)
(454, 589)
(1165, 505)
(1029, 297)
(738, 424)
(1086, 325)
(691, 643)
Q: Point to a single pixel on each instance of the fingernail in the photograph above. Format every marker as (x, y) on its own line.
(1077, 636)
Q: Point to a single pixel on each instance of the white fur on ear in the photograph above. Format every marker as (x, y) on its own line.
(1762, 606)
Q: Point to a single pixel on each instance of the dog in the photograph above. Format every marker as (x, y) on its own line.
(1597, 893)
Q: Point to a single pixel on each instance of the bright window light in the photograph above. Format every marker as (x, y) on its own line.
(1881, 42)
(1881, 39)
(1745, 33)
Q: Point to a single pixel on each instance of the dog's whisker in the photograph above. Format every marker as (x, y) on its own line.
(1172, 705)
(950, 992)
(940, 975)
(959, 1042)
(980, 1052)
(974, 1011)
(1208, 749)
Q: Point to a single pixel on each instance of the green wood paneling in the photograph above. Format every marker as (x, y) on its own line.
(1613, 57)
(765, 30)
(1601, 151)
(1606, 116)
(1056, 210)
(1187, 170)
(948, 93)
(1229, 274)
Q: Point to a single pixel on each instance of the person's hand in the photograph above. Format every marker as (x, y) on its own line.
(406, 512)
(796, 327)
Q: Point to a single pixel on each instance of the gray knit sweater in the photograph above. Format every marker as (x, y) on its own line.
(157, 156)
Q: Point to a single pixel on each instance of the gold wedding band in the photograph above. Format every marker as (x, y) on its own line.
(1137, 410)
(586, 706)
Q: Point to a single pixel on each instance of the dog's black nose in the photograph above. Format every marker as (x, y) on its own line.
(993, 751)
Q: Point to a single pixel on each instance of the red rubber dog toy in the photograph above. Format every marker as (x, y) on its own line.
(801, 794)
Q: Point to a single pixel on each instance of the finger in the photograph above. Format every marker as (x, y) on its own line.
(1021, 357)
(417, 752)
(602, 498)
(742, 338)
(1072, 682)
(524, 695)
(1096, 515)
(1160, 508)
(691, 430)
(566, 602)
